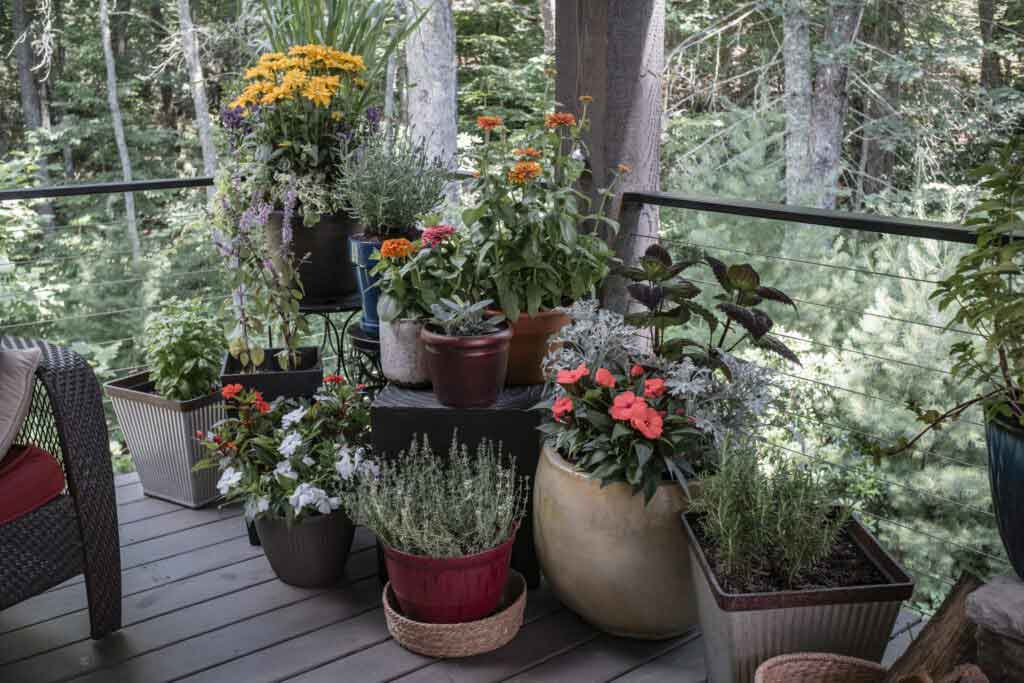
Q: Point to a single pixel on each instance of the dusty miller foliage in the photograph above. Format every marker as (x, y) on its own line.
(436, 506)
(596, 338)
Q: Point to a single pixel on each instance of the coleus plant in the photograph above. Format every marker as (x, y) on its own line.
(670, 302)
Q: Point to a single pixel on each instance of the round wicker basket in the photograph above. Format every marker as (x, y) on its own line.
(818, 668)
(460, 640)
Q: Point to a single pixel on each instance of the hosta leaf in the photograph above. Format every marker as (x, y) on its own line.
(775, 295)
(754, 321)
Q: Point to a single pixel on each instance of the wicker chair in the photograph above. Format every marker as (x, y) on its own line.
(76, 532)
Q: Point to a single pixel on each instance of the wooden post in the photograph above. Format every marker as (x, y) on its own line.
(614, 52)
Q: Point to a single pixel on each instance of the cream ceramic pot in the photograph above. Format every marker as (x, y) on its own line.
(402, 358)
(622, 566)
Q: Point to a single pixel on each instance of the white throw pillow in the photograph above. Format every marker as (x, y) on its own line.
(17, 377)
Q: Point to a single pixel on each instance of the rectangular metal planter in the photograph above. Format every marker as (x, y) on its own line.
(161, 436)
(743, 630)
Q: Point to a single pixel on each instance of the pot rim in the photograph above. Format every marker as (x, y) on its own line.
(561, 463)
(494, 339)
(444, 563)
(138, 388)
(899, 588)
(317, 366)
(308, 520)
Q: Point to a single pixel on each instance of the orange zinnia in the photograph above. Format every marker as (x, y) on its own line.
(527, 153)
(489, 122)
(559, 118)
(399, 248)
(523, 172)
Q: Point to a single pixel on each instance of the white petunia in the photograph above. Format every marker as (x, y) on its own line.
(290, 443)
(228, 480)
(345, 465)
(308, 461)
(284, 469)
(292, 418)
(307, 495)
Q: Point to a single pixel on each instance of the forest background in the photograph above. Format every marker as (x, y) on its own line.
(919, 92)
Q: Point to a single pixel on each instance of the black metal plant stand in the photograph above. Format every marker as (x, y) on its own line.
(334, 336)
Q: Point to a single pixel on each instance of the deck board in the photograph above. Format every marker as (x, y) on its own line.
(201, 605)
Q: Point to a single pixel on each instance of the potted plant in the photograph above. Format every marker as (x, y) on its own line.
(300, 109)
(389, 183)
(292, 464)
(467, 353)
(160, 410)
(525, 227)
(413, 276)
(780, 568)
(446, 526)
(623, 423)
(985, 291)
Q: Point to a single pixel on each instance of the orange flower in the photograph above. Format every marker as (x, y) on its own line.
(561, 407)
(527, 153)
(653, 388)
(626, 405)
(559, 118)
(572, 376)
(636, 371)
(625, 168)
(489, 122)
(398, 248)
(231, 391)
(262, 406)
(523, 172)
(648, 422)
(604, 378)
(586, 99)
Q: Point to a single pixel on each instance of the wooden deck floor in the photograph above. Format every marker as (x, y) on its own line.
(201, 604)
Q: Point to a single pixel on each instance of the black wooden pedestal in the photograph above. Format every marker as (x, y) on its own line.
(398, 414)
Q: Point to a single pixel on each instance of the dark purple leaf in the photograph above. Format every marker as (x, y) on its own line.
(721, 272)
(649, 295)
(772, 344)
(775, 295)
(743, 276)
(658, 253)
(755, 322)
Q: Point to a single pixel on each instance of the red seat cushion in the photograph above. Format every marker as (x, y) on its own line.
(29, 479)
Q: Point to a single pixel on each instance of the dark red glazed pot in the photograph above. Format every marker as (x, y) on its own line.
(467, 372)
(448, 590)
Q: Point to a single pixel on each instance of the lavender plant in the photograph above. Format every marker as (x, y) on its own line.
(425, 504)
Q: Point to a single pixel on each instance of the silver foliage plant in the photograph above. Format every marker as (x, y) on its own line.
(425, 504)
(596, 337)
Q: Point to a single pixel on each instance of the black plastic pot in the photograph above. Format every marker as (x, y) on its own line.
(272, 381)
(327, 273)
(311, 553)
(1006, 475)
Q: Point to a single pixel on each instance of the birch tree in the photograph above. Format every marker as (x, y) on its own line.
(431, 74)
(547, 15)
(796, 55)
(119, 139)
(197, 84)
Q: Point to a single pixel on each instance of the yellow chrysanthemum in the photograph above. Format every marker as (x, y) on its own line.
(360, 83)
(270, 57)
(320, 89)
(344, 61)
(293, 82)
(263, 70)
(253, 94)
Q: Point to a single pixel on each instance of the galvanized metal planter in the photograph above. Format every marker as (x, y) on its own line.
(743, 630)
(161, 436)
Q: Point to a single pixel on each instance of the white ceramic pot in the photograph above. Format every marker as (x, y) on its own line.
(621, 565)
(402, 358)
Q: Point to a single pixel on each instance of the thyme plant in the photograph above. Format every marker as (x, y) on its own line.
(426, 504)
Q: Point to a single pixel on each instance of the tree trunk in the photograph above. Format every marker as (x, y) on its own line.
(991, 67)
(391, 76)
(615, 52)
(547, 15)
(431, 72)
(197, 83)
(877, 162)
(115, 115)
(828, 114)
(796, 55)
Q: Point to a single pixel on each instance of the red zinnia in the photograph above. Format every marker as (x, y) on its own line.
(561, 407)
(604, 378)
(231, 391)
(436, 234)
(653, 388)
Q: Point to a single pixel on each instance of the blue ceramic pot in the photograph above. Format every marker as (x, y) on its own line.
(1006, 474)
(362, 249)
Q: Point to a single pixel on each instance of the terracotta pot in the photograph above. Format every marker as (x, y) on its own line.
(402, 359)
(448, 590)
(467, 372)
(327, 274)
(312, 553)
(530, 344)
(620, 565)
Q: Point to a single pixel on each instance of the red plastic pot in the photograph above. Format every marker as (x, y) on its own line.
(467, 372)
(448, 590)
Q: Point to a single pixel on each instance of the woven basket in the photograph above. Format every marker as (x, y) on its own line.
(460, 640)
(818, 668)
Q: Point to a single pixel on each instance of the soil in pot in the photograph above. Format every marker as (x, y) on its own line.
(467, 372)
(327, 273)
(530, 343)
(449, 590)
(1006, 476)
(311, 553)
(402, 358)
(271, 380)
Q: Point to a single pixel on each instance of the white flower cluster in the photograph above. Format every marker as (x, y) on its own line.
(292, 418)
(353, 462)
(229, 479)
(307, 495)
(290, 443)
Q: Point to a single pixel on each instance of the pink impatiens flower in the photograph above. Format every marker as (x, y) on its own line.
(572, 376)
(604, 378)
(561, 408)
